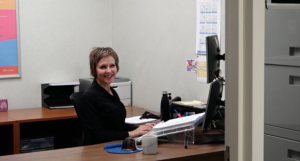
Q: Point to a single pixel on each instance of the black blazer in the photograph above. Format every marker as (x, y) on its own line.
(103, 115)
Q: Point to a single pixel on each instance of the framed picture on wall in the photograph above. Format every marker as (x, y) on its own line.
(10, 62)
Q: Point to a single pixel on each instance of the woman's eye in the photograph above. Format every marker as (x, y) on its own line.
(113, 65)
(103, 67)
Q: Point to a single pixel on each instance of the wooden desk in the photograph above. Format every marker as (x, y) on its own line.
(34, 115)
(25, 120)
(4, 119)
(27, 123)
(31, 122)
(41, 114)
(166, 151)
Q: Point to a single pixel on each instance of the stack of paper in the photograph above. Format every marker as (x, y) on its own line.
(192, 120)
(194, 103)
(136, 120)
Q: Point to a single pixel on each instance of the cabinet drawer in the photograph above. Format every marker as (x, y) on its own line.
(282, 96)
(282, 31)
(124, 92)
(281, 149)
(282, 132)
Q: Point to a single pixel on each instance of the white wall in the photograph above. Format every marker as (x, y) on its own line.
(153, 40)
(56, 38)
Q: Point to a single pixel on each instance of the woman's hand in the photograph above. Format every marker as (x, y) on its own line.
(149, 124)
(143, 129)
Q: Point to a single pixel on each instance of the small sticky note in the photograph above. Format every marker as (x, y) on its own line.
(191, 65)
(201, 69)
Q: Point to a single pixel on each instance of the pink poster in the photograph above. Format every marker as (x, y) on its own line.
(9, 62)
(8, 25)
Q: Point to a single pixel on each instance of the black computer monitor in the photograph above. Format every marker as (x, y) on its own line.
(213, 57)
(213, 103)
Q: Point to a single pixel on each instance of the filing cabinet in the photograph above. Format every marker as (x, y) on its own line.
(124, 91)
(281, 149)
(282, 85)
(282, 103)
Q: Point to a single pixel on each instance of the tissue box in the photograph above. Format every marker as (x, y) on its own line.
(3, 104)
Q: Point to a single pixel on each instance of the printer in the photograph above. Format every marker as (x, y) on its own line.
(121, 85)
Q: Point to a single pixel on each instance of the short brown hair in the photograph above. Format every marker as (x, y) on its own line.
(97, 54)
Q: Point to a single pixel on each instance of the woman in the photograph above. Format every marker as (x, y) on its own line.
(102, 111)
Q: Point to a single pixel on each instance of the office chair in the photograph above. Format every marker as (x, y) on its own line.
(75, 98)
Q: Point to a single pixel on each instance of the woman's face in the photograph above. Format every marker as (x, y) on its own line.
(106, 70)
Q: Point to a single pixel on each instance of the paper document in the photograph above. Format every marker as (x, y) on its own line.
(182, 121)
(136, 120)
(194, 103)
(201, 68)
(208, 22)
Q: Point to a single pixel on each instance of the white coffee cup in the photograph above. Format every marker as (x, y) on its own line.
(149, 144)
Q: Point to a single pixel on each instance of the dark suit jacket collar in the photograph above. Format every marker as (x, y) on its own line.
(101, 90)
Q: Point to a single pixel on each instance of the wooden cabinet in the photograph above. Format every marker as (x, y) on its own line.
(38, 122)
(6, 134)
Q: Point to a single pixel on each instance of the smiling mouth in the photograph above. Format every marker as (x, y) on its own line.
(108, 76)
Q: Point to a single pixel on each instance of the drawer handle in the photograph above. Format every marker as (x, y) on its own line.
(295, 155)
(295, 80)
(294, 51)
(117, 86)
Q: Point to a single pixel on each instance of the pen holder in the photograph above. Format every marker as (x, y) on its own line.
(3, 104)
